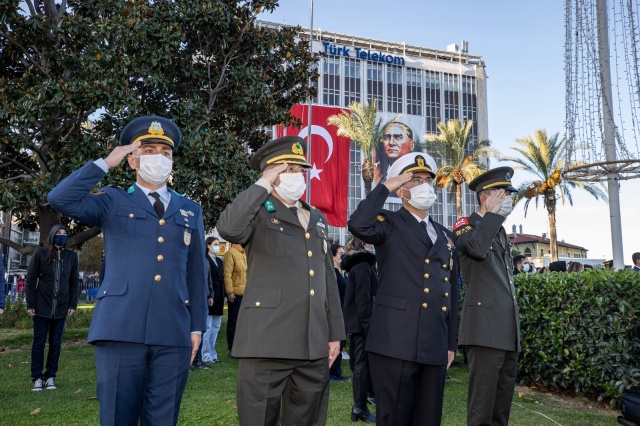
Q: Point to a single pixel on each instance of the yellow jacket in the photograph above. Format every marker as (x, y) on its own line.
(235, 270)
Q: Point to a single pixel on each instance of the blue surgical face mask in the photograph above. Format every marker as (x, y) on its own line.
(60, 240)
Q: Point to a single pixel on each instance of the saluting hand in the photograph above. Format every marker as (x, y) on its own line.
(397, 181)
(271, 173)
(493, 202)
(115, 157)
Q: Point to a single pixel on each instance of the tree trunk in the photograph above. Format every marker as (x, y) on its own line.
(458, 199)
(550, 203)
(48, 218)
(367, 175)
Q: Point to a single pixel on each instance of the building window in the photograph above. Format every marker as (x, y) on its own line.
(394, 88)
(470, 103)
(352, 81)
(450, 86)
(355, 178)
(432, 100)
(541, 252)
(374, 83)
(414, 91)
(527, 252)
(331, 81)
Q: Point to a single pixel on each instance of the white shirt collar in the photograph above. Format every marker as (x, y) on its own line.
(162, 191)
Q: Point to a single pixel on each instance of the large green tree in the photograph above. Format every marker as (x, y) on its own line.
(460, 158)
(544, 156)
(362, 125)
(73, 73)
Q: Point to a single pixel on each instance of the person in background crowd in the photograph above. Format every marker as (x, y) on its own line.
(635, 257)
(532, 268)
(490, 324)
(575, 267)
(216, 305)
(360, 264)
(52, 296)
(235, 280)
(558, 266)
(13, 286)
(22, 283)
(290, 324)
(337, 251)
(543, 270)
(152, 306)
(197, 360)
(520, 264)
(3, 286)
(412, 335)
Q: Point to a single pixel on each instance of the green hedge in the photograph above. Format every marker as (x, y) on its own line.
(15, 316)
(580, 332)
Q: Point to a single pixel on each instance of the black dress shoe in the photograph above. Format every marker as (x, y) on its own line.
(364, 415)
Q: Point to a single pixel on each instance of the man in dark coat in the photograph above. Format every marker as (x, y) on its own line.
(290, 321)
(151, 308)
(490, 324)
(412, 336)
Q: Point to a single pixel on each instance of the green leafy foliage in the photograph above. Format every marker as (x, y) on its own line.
(73, 73)
(581, 332)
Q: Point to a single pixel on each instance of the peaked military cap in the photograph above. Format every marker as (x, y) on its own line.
(151, 129)
(413, 162)
(288, 149)
(498, 178)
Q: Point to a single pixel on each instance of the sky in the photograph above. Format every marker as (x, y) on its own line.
(522, 44)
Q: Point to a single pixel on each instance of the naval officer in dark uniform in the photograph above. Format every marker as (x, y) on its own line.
(151, 308)
(490, 325)
(290, 322)
(412, 335)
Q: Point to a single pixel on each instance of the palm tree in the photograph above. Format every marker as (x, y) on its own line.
(460, 158)
(361, 125)
(545, 157)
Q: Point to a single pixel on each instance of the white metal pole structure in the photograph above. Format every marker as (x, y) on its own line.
(309, 126)
(613, 185)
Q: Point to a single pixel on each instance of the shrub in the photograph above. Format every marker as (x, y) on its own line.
(580, 332)
(15, 316)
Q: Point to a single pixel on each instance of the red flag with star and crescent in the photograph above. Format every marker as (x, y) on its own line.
(329, 159)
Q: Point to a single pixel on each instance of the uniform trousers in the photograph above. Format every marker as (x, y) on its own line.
(361, 376)
(492, 379)
(407, 393)
(140, 383)
(294, 392)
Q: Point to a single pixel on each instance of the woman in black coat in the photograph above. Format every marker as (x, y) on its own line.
(52, 296)
(360, 265)
(337, 251)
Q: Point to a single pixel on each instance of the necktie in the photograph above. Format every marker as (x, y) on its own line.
(294, 210)
(157, 205)
(424, 225)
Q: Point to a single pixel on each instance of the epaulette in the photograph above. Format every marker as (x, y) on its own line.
(176, 193)
(461, 226)
(381, 218)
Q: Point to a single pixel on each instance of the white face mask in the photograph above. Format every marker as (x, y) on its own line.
(507, 206)
(214, 249)
(422, 196)
(155, 168)
(292, 186)
(526, 267)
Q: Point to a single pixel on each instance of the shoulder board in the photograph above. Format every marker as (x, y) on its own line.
(381, 218)
(269, 206)
(175, 193)
(131, 189)
(463, 221)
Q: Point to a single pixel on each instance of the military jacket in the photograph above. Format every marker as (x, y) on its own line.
(291, 307)
(155, 287)
(415, 314)
(490, 315)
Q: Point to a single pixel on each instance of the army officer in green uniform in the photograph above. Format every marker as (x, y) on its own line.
(489, 327)
(290, 322)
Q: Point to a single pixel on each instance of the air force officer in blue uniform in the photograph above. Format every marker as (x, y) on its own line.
(151, 308)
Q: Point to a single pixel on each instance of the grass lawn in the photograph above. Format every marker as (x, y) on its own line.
(209, 397)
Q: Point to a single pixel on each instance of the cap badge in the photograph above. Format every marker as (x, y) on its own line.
(297, 149)
(420, 161)
(156, 129)
(508, 177)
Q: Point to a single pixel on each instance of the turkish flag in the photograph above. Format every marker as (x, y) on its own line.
(329, 158)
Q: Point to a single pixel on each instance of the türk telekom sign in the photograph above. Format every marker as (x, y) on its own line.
(360, 53)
